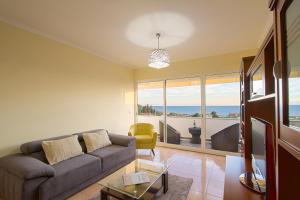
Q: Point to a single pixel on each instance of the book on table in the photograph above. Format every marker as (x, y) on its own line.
(136, 178)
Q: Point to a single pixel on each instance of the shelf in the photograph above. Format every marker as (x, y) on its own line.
(266, 97)
(289, 148)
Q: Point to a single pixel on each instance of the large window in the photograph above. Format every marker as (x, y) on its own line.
(183, 101)
(222, 112)
(150, 104)
(176, 107)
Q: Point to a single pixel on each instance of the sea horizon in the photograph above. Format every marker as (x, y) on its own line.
(222, 111)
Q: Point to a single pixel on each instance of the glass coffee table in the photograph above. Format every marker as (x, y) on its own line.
(113, 185)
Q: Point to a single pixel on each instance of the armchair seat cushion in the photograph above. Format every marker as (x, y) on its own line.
(143, 139)
(113, 155)
(69, 174)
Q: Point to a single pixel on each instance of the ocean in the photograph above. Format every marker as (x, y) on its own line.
(222, 111)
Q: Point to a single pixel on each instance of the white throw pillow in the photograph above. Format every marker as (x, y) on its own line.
(61, 149)
(96, 140)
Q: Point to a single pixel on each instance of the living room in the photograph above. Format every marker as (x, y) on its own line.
(195, 99)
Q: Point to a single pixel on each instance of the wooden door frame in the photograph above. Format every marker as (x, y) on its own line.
(287, 134)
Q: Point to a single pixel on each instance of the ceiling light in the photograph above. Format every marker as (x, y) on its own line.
(159, 58)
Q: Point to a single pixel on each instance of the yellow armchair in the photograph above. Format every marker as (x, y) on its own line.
(145, 135)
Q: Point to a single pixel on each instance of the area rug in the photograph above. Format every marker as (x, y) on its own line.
(179, 188)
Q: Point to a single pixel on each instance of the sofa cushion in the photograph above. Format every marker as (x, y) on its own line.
(80, 134)
(97, 140)
(143, 139)
(62, 149)
(69, 174)
(80, 138)
(113, 155)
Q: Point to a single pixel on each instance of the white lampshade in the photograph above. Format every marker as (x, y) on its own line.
(159, 58)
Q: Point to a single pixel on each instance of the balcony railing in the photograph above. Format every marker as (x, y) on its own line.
(182, 124)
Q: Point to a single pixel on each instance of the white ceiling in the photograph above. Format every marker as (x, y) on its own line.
(123, 31)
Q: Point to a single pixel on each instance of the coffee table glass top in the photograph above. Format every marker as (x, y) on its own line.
(152, 168)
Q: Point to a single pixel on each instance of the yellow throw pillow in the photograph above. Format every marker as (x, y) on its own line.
(96, 140)
(61, 149)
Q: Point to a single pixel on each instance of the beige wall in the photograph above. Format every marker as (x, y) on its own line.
(49, 89)
(208, 65)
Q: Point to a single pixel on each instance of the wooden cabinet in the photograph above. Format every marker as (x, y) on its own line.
(287, 14)
(278, 105)
(287, 70)
(245, 96)
(264, 61)
(261, 104)
(261, 107)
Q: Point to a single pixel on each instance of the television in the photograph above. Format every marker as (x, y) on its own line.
(259, 130)
(256, 180)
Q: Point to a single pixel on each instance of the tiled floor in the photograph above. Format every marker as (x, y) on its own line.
(206, 170)
(187, 142)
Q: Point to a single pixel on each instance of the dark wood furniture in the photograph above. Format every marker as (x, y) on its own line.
(245, 95)
(196, 133)
(173, 136)
(262, 107)
(287, 24)
(226, 139)
(233, 189)
(279, 57)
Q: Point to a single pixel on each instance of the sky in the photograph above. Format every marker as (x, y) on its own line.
(294, 91)
(216, 95)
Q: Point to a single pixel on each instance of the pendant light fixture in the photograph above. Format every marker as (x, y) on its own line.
(159, 58)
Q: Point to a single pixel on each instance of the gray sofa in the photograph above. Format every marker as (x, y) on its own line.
(28, 175)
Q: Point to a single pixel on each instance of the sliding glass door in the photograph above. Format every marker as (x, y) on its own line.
(222, 112)
(150, 105)
(183, 112)
(176, 109)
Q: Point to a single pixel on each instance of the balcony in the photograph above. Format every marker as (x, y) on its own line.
(181, 126)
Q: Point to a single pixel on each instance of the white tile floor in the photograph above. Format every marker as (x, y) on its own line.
(207, 171)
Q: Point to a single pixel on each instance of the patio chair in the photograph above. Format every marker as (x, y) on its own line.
(173, 136)
(226, 139)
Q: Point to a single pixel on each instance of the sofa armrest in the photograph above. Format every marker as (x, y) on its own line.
(25, 167)
(122, 140)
